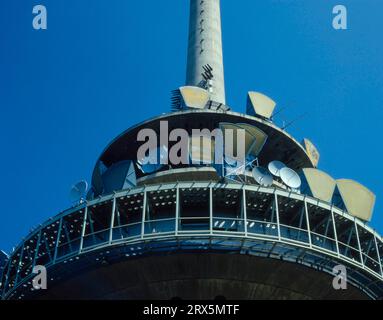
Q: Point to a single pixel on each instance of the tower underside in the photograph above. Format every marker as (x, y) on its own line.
(205, 276)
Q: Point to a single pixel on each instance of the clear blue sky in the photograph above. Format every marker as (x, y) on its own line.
(105, 65)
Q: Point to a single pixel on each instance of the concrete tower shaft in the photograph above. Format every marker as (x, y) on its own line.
(205, 46)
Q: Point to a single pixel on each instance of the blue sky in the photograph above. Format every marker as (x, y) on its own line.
(104, 65)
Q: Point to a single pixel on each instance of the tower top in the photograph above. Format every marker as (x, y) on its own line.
(205, 48)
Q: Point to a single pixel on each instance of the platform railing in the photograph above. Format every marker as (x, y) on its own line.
(198, 210)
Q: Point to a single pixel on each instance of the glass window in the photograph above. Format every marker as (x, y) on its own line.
(228, 212)
(292, 219)
(261, 213)
(13, 266)
(47, 243)
(369, 253)
(347, 239)
(322, 229)
(380, 248)
(194, 209)
(160, 212)
(29, 252)
(128, 217)
(70, 233)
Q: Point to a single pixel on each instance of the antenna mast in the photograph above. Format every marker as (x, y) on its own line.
(205, 48)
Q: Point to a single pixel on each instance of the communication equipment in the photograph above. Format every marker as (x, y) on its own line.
(260, 105)
(215, 106)
(290, 178)
(78, 192)
(312, 152)
(318, 184)
(233, 168)
(119, 176)
(155, 161)
(259, 137)
(176, 100)
(189, 97)
(287, 125)
(248, 141)
(97, 184)
(262, 176)
(207, 75)
(275, 168)
(194, 97)
(358, 200)
(255, 138)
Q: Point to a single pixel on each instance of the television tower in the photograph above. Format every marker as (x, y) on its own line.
(276, 230)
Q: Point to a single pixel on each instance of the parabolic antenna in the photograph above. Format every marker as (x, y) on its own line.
(246, 143)
(78, 191)
(275, 168)
(262, 176)
(290, 178)
(154, 161)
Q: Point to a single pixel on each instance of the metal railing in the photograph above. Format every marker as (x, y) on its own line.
(246, 212)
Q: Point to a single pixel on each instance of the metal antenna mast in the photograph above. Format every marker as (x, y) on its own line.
(205, 48)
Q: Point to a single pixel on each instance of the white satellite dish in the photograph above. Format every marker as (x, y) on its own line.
(290, 178)
(275, 168)
(78, 191)
(262, 176)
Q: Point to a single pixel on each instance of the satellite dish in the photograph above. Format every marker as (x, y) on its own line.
(153, 163)
(275, 168)
(290, 178)
(262, 176)
(78, 191)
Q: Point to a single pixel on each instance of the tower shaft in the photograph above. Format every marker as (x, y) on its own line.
(205, 46)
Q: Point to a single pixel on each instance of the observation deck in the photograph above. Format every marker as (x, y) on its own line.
(155, 226)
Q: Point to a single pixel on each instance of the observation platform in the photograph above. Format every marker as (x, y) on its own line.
(251, 238)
